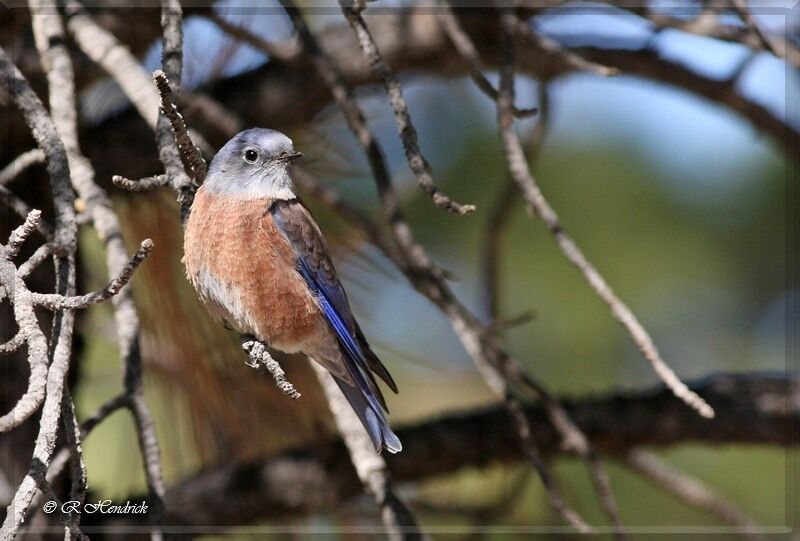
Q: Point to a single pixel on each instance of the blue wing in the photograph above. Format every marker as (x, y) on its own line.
(316, 268)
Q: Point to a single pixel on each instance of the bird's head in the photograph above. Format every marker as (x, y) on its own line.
(254, 163)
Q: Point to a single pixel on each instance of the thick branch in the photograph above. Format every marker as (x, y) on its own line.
(318, 478)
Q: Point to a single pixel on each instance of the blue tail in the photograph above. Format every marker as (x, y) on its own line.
(374, 421)
(316, 268)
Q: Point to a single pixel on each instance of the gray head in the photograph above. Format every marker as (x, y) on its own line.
(254, 163)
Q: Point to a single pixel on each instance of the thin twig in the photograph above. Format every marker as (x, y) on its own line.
(19, 235)
(22, 209)
(532, 195)
(742, 9)
(408, 133)
(468, 52)
(72, 436)
(13, 344)
(44, 485)
(143, 184)
(283, 51)
(500, 212)
(38, 257)
(194, 161)
(690, 490)
(570, 59)
(59, 302)
(20, 164)
(573, 439)
(531, 451)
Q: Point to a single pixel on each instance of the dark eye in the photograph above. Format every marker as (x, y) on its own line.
(250, 156)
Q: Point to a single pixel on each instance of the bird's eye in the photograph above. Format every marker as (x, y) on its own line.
(250, 156)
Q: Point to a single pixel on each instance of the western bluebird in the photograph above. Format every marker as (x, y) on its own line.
(259, 262)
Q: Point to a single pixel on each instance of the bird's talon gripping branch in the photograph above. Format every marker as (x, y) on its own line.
(259, 356)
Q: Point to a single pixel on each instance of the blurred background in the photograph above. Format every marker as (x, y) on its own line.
(680, 203)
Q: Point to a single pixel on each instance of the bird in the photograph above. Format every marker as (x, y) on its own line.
(259, 263)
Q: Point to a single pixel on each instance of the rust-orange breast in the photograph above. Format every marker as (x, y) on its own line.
(243, 269)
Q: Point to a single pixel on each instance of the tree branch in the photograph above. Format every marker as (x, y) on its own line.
(64, 244)
(690, 490)
(408, 133)
(60, 302)
(319, 477)
(531, 193)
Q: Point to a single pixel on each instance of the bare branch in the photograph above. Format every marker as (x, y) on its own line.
(72, 435)
(531, 451)
(32, 334)
(232, 494)
(466, 49)
(500, 212)
(741, 8)
(23, 210)
(569, 59)
(21, 234)
(143, 184)
(20, 164)
(16, 342)
(41, 254)
(690, 490)
(115, 58)
(412, 259)
(64, 243)
(408, 133)
(532, 195)
(370, 466)
(59, 302)
(72, 528)
(176, 163)
(284, 52)
(196, 165)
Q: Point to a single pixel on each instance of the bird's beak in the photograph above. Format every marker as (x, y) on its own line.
(293, 156)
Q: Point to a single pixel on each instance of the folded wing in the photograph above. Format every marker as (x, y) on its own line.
(297, 225)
